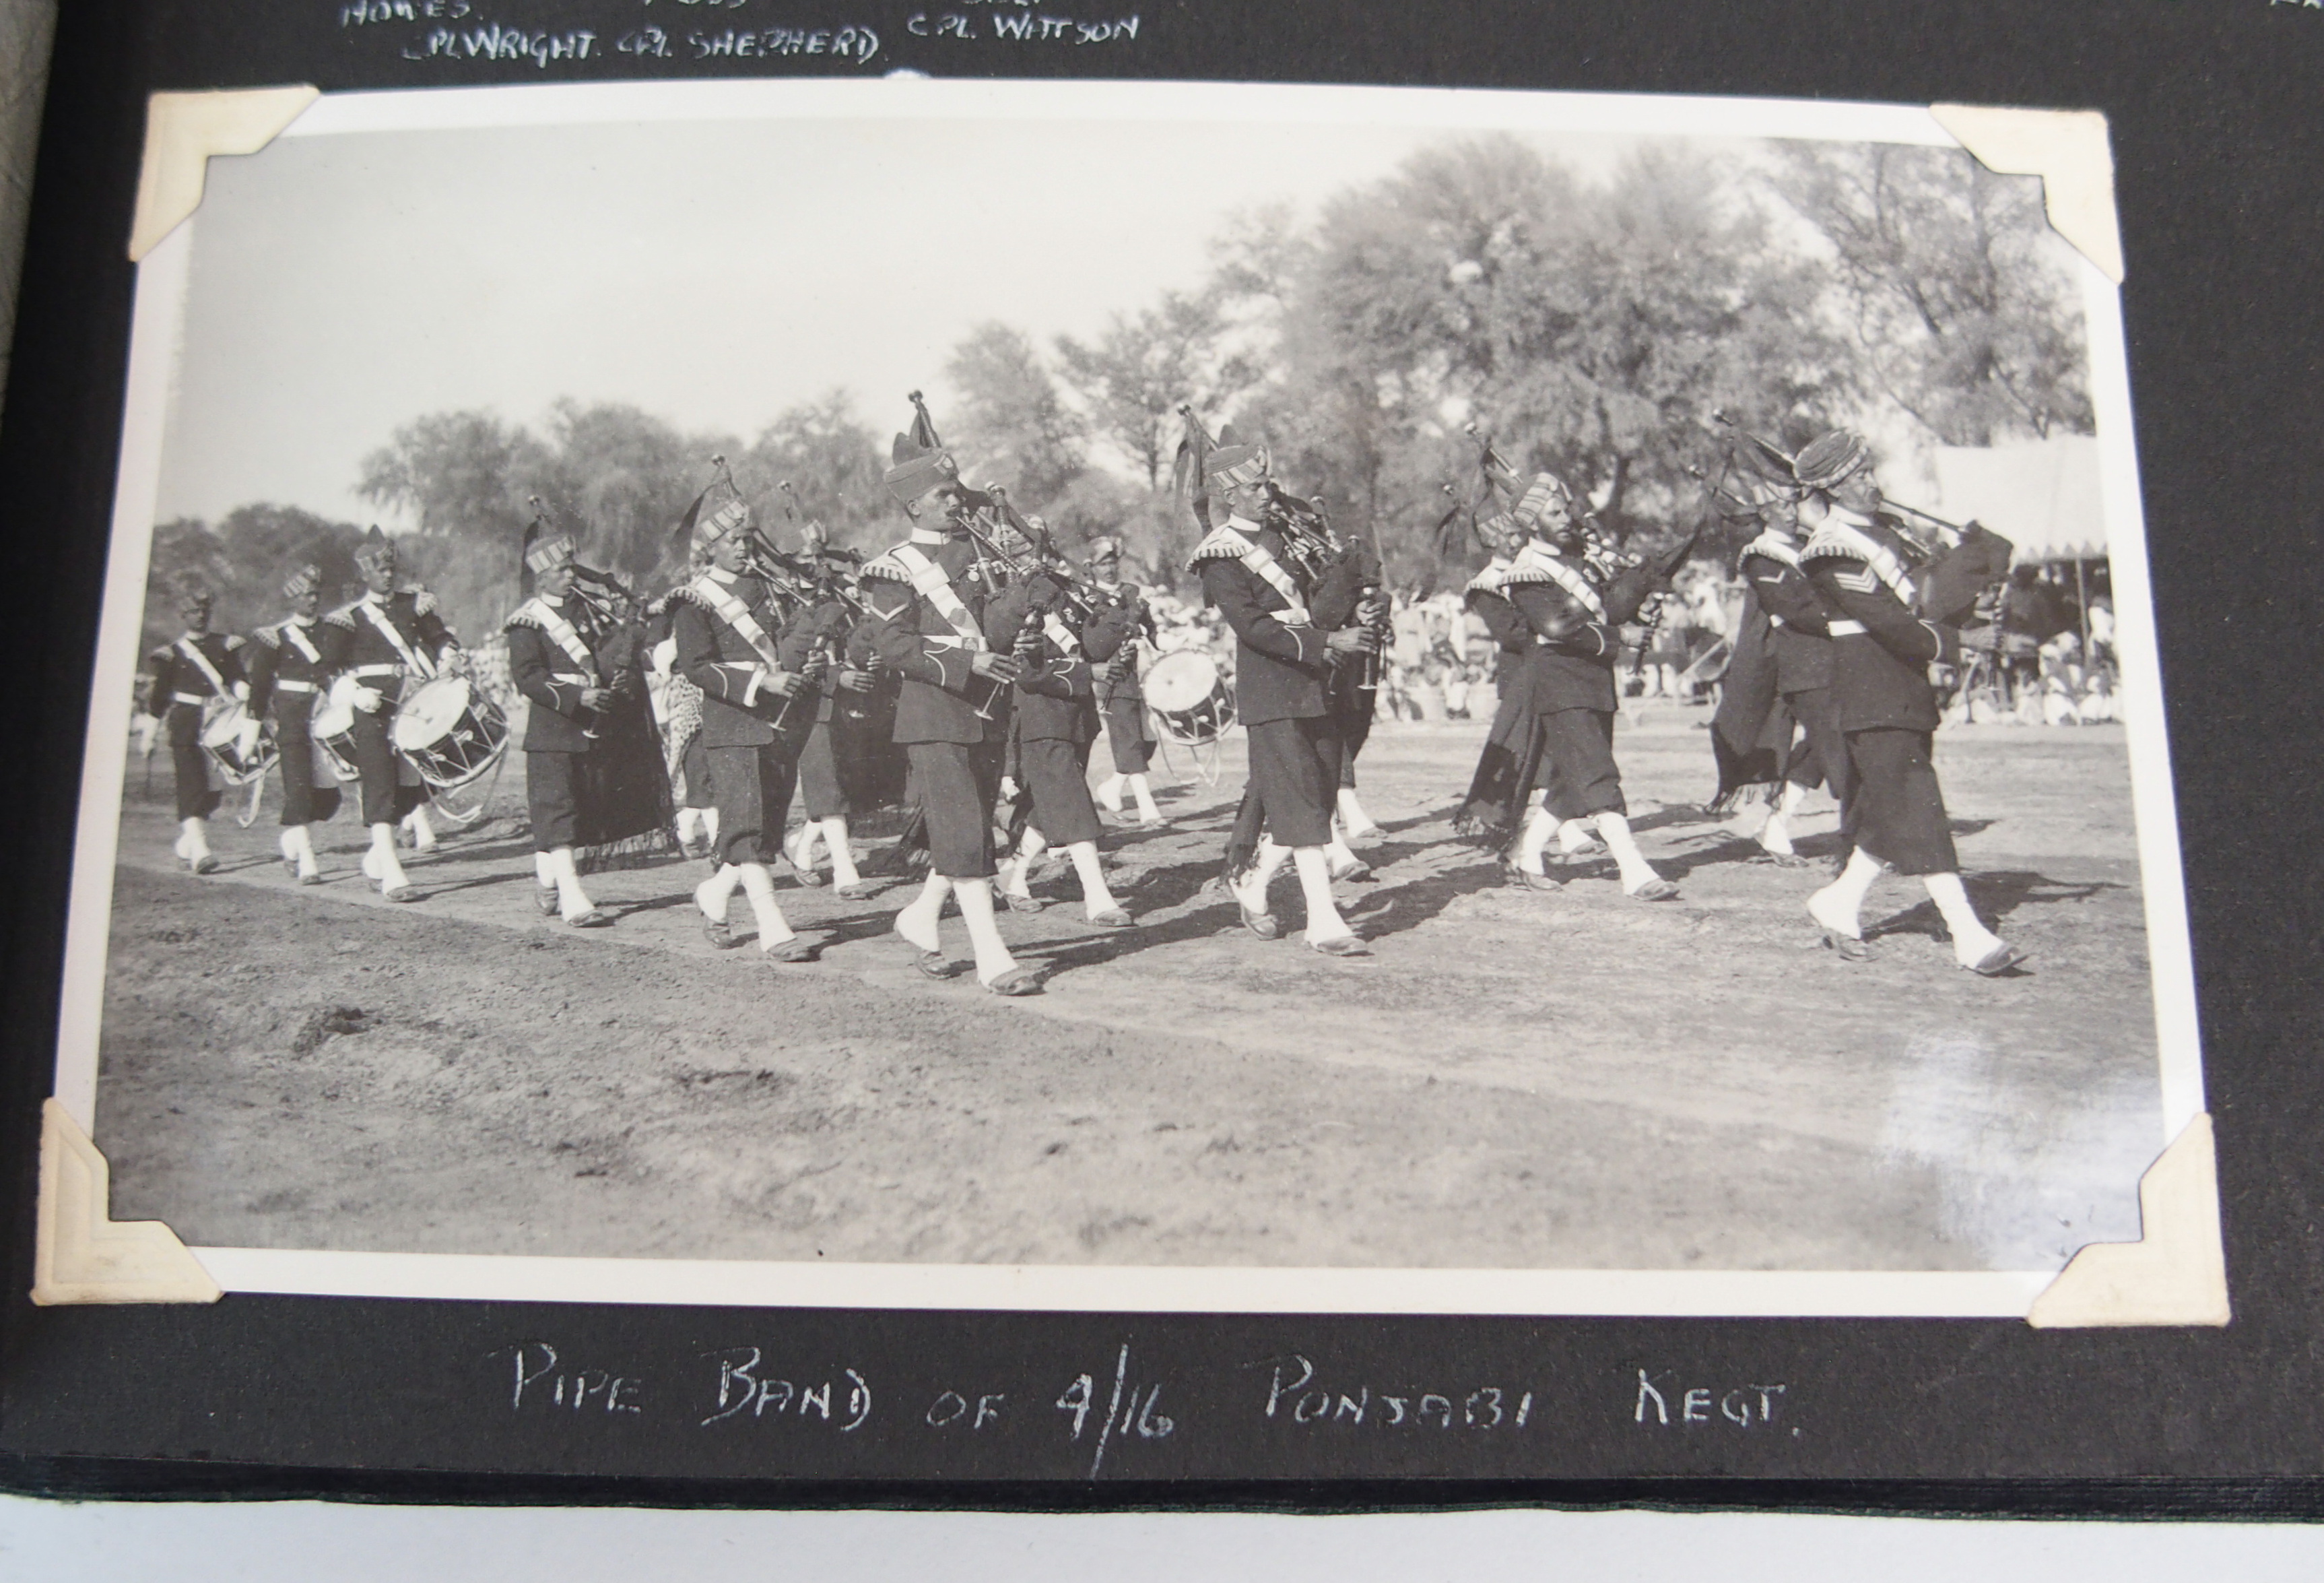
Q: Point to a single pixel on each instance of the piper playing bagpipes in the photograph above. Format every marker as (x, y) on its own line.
(1893, 602)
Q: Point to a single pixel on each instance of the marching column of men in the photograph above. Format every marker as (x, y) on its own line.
(1004, 668)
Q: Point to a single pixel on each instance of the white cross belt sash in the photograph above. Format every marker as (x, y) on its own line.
(1060, 634)
(930, 582)
(192, 651)
(1563, 575)
(378, 617)
(297, 635)
(1847, 629)
(1294, 611)
(737, 615)
(560, 633)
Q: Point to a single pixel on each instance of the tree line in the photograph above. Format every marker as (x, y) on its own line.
(1591, 327)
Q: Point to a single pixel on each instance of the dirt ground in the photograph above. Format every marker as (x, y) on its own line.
(1513, 1080)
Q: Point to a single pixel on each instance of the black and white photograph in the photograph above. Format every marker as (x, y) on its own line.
(1107, 696)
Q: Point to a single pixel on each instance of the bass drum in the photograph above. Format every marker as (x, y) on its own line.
(450, 733)
(1190, 702)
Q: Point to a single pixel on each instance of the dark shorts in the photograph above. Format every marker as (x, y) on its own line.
(1128, 735)
(821, 794)
(387, 796)
(753, 789)
(303, 801)
(1894, 809)
(1823, 757)
(1056, 773)
(694, 760)
(1578, 745)
(548, 798)
(956, 785)
(1294, 778)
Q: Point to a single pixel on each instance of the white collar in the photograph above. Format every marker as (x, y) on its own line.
(1245, 526)
(298, 621)
(728, 578)
(930, 536)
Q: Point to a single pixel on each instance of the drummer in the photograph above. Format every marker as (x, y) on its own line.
(395, 642)
(290, 666)
(183, 681)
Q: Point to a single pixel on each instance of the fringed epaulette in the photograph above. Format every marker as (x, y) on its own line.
(272, 636)
(1221, 543)
(233, 641)
(422, 601)
(527, 615)
(1775, 548)
(1840, 539)
(1530, 567)
(1492, 579)
(345, 615)
(690, 595)
(886, 568)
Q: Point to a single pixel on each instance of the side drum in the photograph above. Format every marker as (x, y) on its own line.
(1190, 702)
(450, 733)
(222, 730)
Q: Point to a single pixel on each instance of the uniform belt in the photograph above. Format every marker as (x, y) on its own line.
(191, 698)
(377, 670)
(286, 685)
(935, 642)
(1846, 628)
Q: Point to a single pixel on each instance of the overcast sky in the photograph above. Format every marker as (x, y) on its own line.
(710, 272)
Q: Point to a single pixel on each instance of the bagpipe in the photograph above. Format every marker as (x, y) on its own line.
(1960, 566)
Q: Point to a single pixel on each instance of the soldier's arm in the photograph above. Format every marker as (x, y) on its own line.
(230, 670)
(1560, 621)
(259, 671)
(728, 681)
(893, 619)
(1506, 627)
(1233, 587)
(1851, 592)
(154, 683)
(529, 672)
(1786, 595)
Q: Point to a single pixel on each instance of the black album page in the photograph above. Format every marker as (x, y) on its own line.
(1255, 755)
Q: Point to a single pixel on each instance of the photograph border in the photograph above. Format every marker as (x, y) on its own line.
(161, 284)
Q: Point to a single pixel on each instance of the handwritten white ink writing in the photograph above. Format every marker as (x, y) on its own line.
(1122, 1417)
(1741, 1405)
(535, 1375)
(742, 1386)
(1295, 1394)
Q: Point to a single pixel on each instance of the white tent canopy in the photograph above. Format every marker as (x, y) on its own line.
(2042, 494)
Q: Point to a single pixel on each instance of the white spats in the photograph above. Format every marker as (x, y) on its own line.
(1108, 791)
(842, 856)
(1323, 919)
(993, 957)
(572, 901)
(1144, 795)
(1016, 875)
(1575, 836)
(1775, 835)
(710, 824)
(1342, 858)
(193, 839)
(1352, 817)
(690, 831)
(759, 885)
(423, 833)
(1252, 895)
(299, 850)
(381, 862)
(1972, 941)
(1838, 904)
(1636, 872)
(1096, 897)
(1533, 844)
(917, 921)
(544, 870)
(712, 895)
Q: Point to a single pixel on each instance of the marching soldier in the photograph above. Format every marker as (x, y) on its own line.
(291, 665)
(1282, 666)
(1120, 695)
(1781, 674)
(1055, 728)
(183, 681)
(568, 670)
(1574, 616)
(1353, 694)
(684, 757)
(1505, 794)
(394, 642)
(1886, 710)
(846, 682)
(731, 645)
(938, 625)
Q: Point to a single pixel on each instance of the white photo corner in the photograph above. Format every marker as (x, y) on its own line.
(1607, 1075)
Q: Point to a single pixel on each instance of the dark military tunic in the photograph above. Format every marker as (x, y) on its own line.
(290, 666)
(394, 644)
(754, 766)
(1121, 693)
(1569, 676)
(182, 681)
(1887, 709)
(1056, 718)
(956, 753)
(1282, 670)
(593, 778)
(1513, 764)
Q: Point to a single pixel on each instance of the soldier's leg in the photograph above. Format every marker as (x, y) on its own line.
(777, 776)
(734, 777)
(1066, 816)
(1586, 784)
(376, 767)
(1302, 813)
(190, 768)
(548, 803)
(958, 785)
